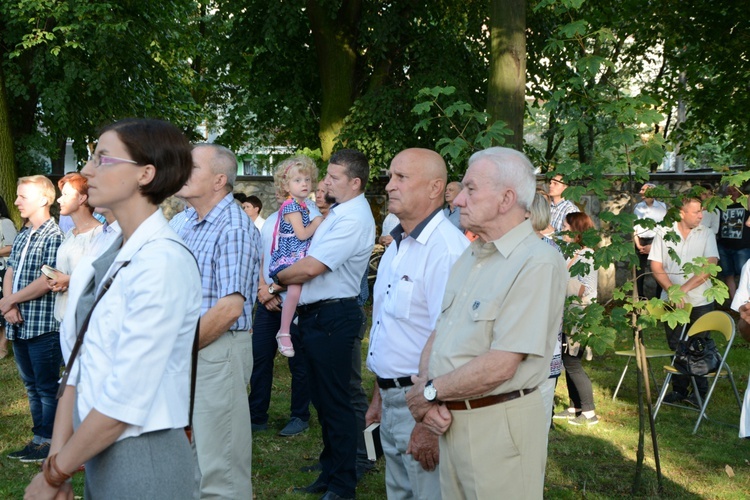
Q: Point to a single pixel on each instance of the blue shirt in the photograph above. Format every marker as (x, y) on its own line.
(454, 216)
(227, 246)
(343, 243)
(178, 221)
(559, 211)
(38, 314)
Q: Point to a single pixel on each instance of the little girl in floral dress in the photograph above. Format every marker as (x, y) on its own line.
(293, 179)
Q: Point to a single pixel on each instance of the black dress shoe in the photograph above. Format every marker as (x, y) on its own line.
(316, 487)
(333, 496)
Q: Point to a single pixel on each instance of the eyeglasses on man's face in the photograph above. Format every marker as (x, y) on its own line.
(97, 160)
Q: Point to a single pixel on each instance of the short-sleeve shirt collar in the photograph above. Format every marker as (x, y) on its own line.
(398, 231)
(505, 244)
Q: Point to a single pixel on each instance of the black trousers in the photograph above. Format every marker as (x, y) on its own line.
(645, 267)
(265, 326)
(329, 331)
(681, 383)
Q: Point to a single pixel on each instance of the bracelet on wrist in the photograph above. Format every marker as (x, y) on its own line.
(52, 473)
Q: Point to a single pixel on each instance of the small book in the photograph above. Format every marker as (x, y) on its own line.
(372, 441)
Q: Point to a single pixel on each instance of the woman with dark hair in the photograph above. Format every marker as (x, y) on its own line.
(584, 287)
(73, 202)
(127, 390)
(8, 233)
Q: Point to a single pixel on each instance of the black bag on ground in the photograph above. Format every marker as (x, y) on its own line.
(697, 356)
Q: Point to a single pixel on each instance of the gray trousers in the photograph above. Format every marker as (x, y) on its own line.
(153, 465)
(404, 476)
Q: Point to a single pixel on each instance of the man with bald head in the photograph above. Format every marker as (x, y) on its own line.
(227, 246)
(406, 304)
(452, 212)
(491, 348)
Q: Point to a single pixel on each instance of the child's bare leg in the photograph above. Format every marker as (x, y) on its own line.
(283, 338)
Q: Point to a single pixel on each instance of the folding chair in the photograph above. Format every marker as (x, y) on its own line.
(650, 354)
(715, 321)
(657, 312)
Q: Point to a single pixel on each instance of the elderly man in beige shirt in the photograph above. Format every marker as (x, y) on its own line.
(491, 348)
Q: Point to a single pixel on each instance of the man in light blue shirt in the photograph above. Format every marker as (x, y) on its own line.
(227, 246)
(330, 317)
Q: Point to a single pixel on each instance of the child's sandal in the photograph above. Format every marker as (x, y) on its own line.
(284, 350)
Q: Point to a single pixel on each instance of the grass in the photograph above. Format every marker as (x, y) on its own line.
(596, 462)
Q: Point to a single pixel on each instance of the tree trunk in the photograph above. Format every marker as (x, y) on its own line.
(58, 162)
(336, 47)
(507, 81)
(8, 176)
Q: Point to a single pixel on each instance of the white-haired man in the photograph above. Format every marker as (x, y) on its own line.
(492, 346)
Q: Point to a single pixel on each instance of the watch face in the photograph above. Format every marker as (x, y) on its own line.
(271, 290)
(430, 393)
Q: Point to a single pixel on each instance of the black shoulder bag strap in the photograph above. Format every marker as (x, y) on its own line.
(82, 333)
(193, 370)
(193, 359)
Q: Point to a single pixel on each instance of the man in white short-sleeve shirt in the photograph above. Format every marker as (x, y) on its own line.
(330, 317)
(693, 240)
(406, 304)
(739, 304)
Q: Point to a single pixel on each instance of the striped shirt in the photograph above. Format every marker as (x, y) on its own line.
(38, 314)
(558, 212)
(227, 246)
(178, 221)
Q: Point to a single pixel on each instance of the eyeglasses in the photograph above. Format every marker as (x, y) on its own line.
(98, 160)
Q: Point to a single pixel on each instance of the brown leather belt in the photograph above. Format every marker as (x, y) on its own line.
(471, 404)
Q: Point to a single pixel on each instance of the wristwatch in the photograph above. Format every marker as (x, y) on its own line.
(430, 393)
(276, 279)
(271, 289)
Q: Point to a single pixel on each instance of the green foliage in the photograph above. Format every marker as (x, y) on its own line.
(581, 323)
(267, 63)
(72, 67)
(466, 129)
(584, 58)
(587, 56)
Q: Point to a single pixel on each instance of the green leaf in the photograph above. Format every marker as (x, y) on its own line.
(575, 28)
(422, 108)
(457, 107)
